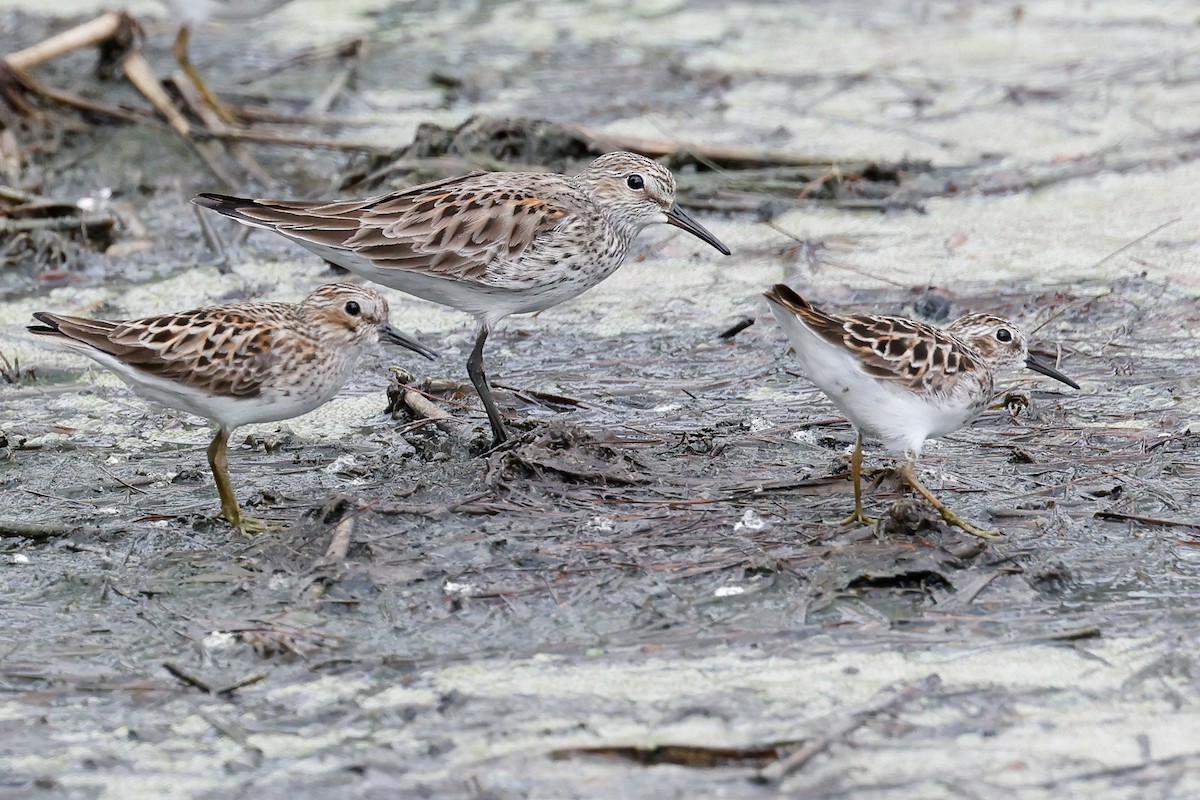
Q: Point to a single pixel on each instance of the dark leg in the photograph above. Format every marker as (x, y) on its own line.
(909, 477)
(185, 61)
(479, 379)
(218, 460)
(856, 476)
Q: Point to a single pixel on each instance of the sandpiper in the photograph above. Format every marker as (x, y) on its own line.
(491, 244)
(238, 364)
(903, 381)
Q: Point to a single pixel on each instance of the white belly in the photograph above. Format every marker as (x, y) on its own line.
(886, 411)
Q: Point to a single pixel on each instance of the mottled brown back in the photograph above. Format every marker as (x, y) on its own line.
(454, 228)
(224, 351)
(909, 353)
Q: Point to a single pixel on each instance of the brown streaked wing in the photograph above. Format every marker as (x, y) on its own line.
(909, 353)
(324, 222)
(455, 228)
(912, 354)
(221, 351)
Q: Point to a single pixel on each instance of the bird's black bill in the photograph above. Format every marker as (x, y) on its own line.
(1049, 371)
(389, 335)
(677, 217)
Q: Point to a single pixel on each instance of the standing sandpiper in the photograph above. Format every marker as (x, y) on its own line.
(903, 381)
(238, 364)
(491, 244)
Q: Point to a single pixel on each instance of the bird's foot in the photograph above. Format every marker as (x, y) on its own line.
(249, 526)
(858, 518)
(908, 476)
(501, 446)
(966, 527)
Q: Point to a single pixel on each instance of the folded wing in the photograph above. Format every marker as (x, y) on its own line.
(908, 353)
(221, 352)
(455, 228)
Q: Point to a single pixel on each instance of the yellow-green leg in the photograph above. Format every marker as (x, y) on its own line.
(856, 476)
(185, 61)
(908, 475)
(218, 460)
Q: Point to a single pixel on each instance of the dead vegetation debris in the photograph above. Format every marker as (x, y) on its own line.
(715, 178)
(614, 524)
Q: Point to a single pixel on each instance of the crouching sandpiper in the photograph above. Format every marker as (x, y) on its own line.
(903, 381)
(238, 364)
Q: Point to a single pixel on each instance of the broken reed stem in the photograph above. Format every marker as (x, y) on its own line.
(339, 546)
(88, 223)
(32, 530)
(262, 137)
(98, 30)
(186, 677)
(139, 73)
(423, 408)
(23, 80)
(351, 58)
(212, 120)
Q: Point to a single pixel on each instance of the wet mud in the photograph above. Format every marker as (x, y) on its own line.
(649, 593)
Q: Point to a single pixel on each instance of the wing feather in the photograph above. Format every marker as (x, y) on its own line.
(911, 354)
(455, 228)
(221, 351)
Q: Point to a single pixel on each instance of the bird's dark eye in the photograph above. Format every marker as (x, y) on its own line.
(353, 308)
(635, 182)
(1004, 335)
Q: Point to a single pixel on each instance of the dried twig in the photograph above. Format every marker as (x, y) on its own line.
(423, 408)
(339, 545)
(1121, 516)
(104, 27)
(91, 224)
(32, 530)
(212, 120)
(307, 142)
(187, 677)
(736, 328)
(242, 683)
(1138, 240)
(778, 229)
(14, 77)
(234, 732)
(351, 55)
(139, 73)
(724, 155)
(115, 27)
(1084, 300)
